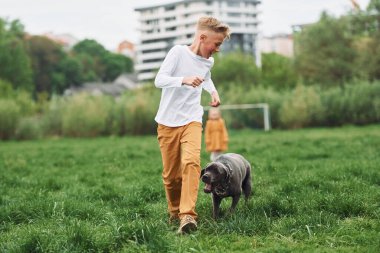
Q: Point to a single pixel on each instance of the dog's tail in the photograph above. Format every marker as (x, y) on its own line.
(247, 184)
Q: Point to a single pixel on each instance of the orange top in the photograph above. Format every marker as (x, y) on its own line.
(216, 136)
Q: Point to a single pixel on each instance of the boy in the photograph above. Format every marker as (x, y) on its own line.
(182, 75)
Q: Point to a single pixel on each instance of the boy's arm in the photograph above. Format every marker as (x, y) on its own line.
(164, 78)
(209, 86)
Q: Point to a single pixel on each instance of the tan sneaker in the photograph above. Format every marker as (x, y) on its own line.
(187, 225)
(173, 219)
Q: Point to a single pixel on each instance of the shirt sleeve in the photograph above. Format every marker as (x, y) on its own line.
(164, 78)
(208, 84)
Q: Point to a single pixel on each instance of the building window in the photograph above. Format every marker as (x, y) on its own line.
(170, 8)
(169, 19)
(234, 24)
(234, 15)
(251, 15)
(173, 28)
(152, 22)
(151, 51)
(233, 4)
(152, 60)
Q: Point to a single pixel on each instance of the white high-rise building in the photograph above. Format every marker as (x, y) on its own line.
(163, 26)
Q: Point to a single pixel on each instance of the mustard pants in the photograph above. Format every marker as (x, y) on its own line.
(180, 151)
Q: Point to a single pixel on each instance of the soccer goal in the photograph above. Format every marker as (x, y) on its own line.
(263, 106)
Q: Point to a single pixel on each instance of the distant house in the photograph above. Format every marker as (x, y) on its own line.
(279, 43)
(116, 88)
(67, 41)
(127, 48)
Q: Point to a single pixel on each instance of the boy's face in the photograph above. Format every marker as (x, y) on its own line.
(210, 43)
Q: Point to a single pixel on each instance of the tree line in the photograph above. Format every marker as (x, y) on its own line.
(331, 52)
(42, 67)
(333, 80)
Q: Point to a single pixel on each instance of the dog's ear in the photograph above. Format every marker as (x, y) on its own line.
(203, 171)
(222, 169)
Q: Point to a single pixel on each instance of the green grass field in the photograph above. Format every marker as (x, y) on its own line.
(315, 190)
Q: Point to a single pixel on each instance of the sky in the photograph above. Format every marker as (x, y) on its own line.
(111, 21)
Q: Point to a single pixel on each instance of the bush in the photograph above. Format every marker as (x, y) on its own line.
(9, 117)
(6, 89)
(84, 116)
(134, 112)
(137, 110)
(22, 98)
(354, 104)
(25, 102)
(302, 108)
(52, 116)
(363, 103)
(28, 129)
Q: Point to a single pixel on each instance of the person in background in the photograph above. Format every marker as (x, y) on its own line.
(216, 135)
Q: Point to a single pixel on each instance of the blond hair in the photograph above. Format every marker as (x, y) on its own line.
(212, 24)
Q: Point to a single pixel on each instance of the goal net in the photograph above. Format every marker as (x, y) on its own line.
(262, 106)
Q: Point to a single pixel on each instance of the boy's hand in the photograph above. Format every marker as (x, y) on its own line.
(193, 81)
(215, 100)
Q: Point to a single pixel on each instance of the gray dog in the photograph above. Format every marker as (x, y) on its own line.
(227, 176)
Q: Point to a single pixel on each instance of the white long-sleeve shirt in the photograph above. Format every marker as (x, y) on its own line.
(181, 104)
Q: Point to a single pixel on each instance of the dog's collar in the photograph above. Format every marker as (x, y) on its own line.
(229, 175)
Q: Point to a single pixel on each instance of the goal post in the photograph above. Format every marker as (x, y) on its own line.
(263, 106)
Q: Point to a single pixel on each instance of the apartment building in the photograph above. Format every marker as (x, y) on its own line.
(165, 25)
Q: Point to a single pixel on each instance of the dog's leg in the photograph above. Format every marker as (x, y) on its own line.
(247, 184)
(216, 200)
(235, 201)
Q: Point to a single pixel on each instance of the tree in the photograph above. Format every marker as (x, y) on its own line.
(366, 31)
(373, 12)
(100, 64)
(235, 68)
(324, 52)
(15, 65)
(72, 70)
(94, 55)
(46, 57)
(90, 47)
(87, 64)
(115, 64)
(278, 71)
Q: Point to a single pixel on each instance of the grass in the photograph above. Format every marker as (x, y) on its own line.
(315, 190)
